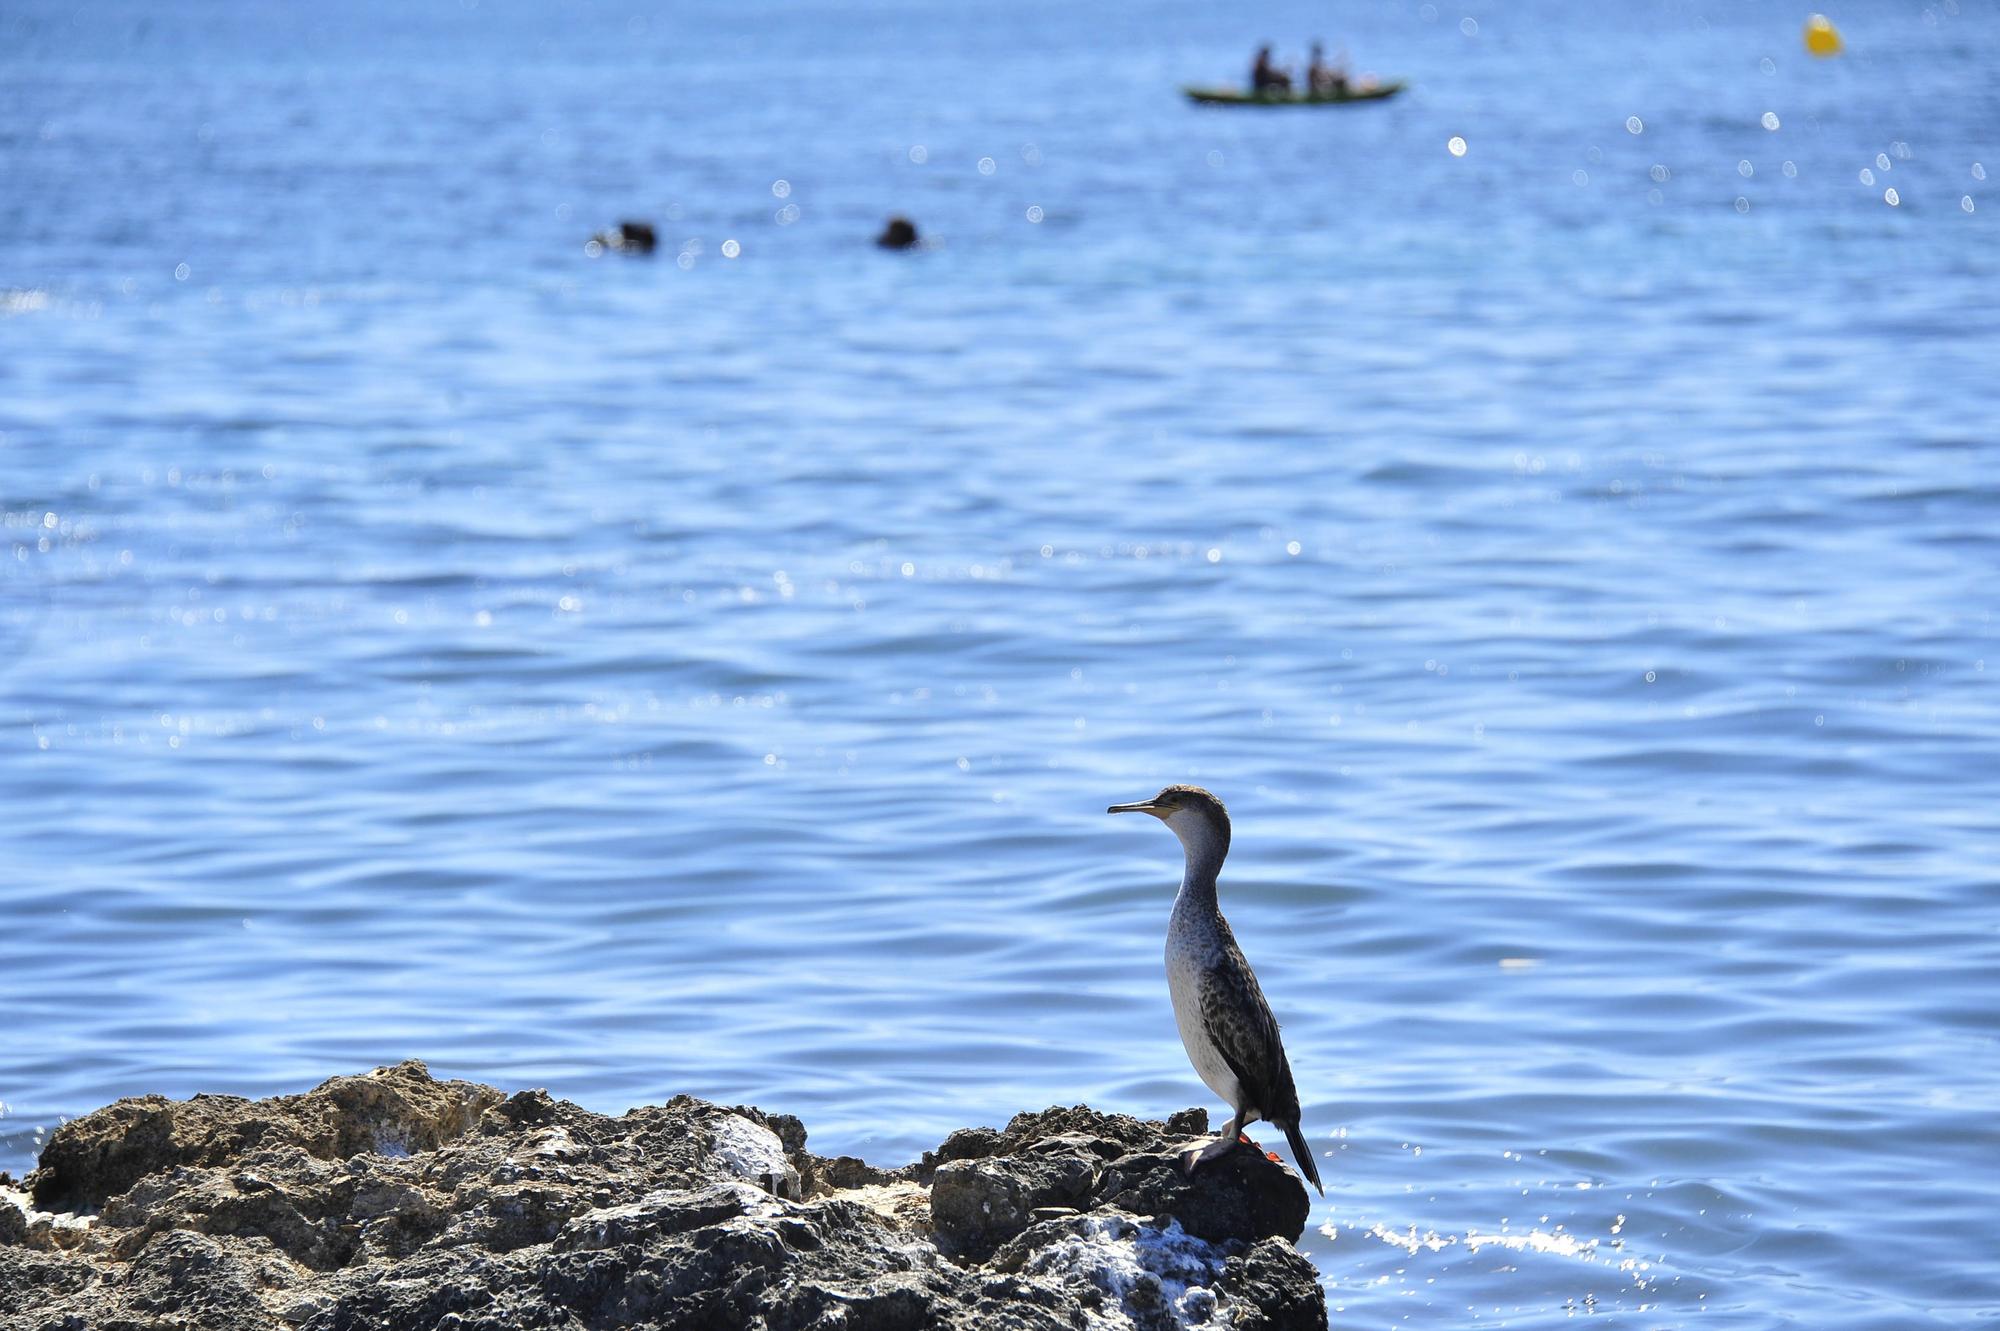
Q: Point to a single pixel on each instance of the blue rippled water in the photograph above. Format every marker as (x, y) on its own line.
(1574, 561)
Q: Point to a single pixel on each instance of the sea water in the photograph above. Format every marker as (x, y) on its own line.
(1555, 508)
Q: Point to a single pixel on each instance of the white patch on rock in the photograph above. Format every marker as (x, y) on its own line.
(906, 1205)
(557, 1144)
(25, 1204)
(751, 1151)
(1145, 1272)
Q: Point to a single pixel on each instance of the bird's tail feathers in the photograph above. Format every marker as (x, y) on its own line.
(1303, 1154)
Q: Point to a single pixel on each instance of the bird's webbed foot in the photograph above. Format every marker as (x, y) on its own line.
(1194, 1157)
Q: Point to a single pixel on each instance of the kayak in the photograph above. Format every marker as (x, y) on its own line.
(1374, 92)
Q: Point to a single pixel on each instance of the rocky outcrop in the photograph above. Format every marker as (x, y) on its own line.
(393, 1200)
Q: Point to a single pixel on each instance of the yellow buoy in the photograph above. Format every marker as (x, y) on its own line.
(1822, 38)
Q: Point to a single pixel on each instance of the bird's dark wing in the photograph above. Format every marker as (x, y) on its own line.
(1246, 1034)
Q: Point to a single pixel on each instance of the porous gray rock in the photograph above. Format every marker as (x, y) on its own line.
(989, 1187)
(396, 1202)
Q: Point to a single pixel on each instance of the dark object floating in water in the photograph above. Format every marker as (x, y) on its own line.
(1373, 92)
(900, 234)
(625, 238)
(384, 1200)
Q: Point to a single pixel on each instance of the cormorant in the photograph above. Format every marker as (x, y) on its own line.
(1230, 1034)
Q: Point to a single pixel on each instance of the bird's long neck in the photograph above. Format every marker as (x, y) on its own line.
(1205, 851)
(1198, 888)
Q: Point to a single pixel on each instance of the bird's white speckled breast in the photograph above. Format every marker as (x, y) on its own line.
(1192, 947)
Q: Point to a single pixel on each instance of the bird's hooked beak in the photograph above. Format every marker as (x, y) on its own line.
(1139, 806)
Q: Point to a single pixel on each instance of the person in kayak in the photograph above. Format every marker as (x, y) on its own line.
(1266, 77)
(1324, 80)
